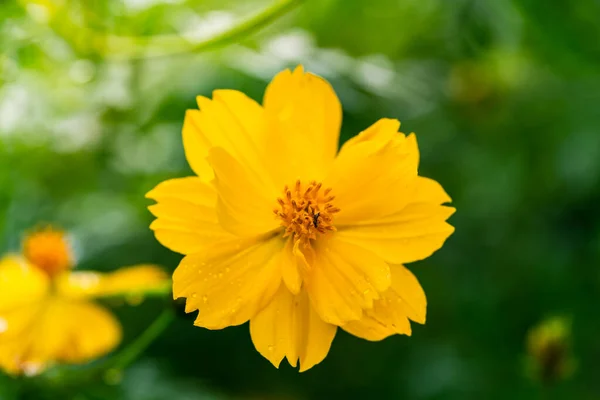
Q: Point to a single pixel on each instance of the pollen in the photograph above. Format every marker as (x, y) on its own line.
(306, 211)
(49, 250)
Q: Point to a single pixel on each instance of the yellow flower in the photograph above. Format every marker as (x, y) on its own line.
(281, 229)
(46, 315)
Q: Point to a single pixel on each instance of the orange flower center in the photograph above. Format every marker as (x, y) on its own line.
(306, 211)
(48, 249)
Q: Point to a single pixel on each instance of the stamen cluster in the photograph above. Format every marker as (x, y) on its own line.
(306, 211)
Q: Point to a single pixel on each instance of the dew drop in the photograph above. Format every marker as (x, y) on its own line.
(205, 299)
(271, 347)
(194, 295)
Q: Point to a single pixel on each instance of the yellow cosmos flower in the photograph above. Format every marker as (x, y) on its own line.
(281, 229)
(46, 315)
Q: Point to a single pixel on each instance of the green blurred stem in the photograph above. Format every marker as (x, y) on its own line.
(130, 353)
(125, 47)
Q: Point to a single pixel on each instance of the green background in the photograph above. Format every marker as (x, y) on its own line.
(503, 96)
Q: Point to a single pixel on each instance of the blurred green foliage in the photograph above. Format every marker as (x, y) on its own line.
(503, 96)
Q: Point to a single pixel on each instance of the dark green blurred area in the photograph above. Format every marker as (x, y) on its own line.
(503, 96)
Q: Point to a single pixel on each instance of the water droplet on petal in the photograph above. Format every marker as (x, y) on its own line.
(194, 295)
(205, 299)
(271, 347)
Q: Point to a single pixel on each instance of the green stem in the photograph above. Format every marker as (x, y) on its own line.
(130, 47)
(251, 25)
(139, 345)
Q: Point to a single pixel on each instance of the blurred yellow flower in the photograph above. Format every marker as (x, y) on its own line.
(46, 315)
(281, 229)
(550, 358)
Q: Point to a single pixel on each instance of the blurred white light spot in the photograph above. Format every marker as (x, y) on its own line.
(57, 48)
(198, 28)
(3, 325)
(292, 46)
(14, 100)
(337, 60)
(376, 72)
(113, 85)
(252, 62)
(38, 12)
(31, 368)
(141, 5)
(84, 280)
(76, 132)
(82, 71)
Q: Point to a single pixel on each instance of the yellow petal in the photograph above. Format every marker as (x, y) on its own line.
(20, 283)
(17, 330)
(186, 215)
(290, 267)
(77, 332)
(374, 175)
(382, 131)
(304, 116)
(289, 327)
(403, 301)
(230, 282)
(245, 205)
(63, 331)
(125, 281)
(344, 279)
(17, 321)
(232, 121)
(410, 235)
(429, 191)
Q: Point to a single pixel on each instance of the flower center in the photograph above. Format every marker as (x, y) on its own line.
(48, 249)
(306, 211)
